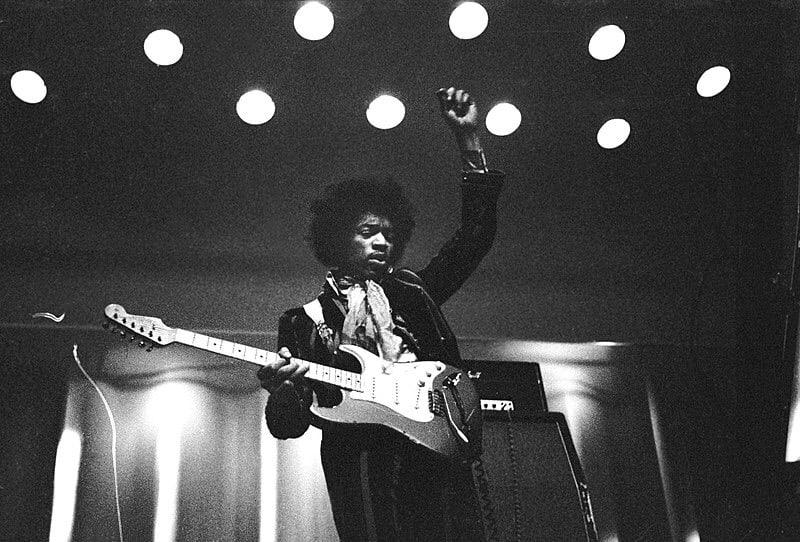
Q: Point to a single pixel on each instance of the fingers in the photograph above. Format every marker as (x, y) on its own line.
(454, 100)
(284, 369)
(292, 371)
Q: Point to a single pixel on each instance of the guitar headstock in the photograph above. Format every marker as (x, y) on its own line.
(148, 328)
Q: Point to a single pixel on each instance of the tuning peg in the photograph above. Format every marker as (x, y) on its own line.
(121, 334)
(141, 344)
(150, 348)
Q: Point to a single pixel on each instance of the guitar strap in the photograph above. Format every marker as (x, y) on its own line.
(313, 310)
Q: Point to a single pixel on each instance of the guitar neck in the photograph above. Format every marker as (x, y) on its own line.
(316, 371)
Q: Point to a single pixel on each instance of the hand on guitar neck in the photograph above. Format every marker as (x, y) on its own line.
(284, 379)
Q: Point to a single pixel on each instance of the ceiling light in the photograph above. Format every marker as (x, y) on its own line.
(503, 119)
(607, 42)
(28, 86)
(163, 47)
(468, 20)
(386, 112)
(713, 81)
(313, 21)
(255, 107)
(613, 133)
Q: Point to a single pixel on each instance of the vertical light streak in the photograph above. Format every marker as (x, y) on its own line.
(673, 516)
(268, 524)
(65, 485)
(170, 407)
(793, 433)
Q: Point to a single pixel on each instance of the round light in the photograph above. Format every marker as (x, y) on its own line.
(386, 112)
(613, 133)
(163, 47)
(313, 21)
(607, 42)
(468, 20)
(255, 107)
(28, 86)
(713, 81)
(503, 119)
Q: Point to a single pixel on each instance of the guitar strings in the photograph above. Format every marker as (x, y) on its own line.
(113, 438)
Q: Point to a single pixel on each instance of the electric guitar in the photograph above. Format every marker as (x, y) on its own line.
(431, 403)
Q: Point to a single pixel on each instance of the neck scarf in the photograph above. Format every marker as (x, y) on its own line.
(368, 322)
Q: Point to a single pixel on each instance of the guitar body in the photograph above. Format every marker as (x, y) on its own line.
(433, 404)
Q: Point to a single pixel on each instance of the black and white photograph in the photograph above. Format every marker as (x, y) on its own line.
(400, 270)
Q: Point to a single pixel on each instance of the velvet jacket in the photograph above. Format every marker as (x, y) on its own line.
(414, 298)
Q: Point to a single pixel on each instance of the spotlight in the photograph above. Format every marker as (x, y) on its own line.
(386, 112)
(713, 81)
(607, 42)
(468, 20)
(313, 21)
(163, 47)
(613, 133)
(503, 119)
(255, 107)
(28, 86)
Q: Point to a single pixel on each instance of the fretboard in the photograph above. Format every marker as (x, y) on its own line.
(316, 371)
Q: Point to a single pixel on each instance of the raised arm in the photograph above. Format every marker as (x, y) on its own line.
(460, 256)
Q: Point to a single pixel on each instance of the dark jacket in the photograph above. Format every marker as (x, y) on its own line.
(414, 297)
(381, 486)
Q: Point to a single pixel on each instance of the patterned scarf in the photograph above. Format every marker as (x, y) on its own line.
(369, 323)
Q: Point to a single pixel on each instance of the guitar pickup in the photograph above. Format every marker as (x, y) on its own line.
(497, 404)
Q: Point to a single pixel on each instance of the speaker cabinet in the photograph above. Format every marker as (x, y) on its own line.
(534, 478)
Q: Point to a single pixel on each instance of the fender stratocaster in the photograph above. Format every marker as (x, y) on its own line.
(431, 403)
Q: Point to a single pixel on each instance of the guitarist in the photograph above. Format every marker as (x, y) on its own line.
(382, 486)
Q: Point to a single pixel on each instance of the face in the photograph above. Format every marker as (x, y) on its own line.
(370, 250)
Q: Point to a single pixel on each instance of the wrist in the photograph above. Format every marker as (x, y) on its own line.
(468, 140)
(474, 160)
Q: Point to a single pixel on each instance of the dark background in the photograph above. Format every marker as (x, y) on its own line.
(129, 169)
(139, 185)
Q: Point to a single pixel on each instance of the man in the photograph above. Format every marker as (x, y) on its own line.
(382, 486)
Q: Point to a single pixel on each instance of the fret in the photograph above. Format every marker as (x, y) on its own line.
(226, 348)
(260, 356)
(215, 345)
(239, 350)
(199, 340)
(249, 354)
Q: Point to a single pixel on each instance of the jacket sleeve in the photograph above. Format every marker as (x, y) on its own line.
(289, 420)
(460, 256)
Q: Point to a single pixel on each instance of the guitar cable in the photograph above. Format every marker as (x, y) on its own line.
(113, 438)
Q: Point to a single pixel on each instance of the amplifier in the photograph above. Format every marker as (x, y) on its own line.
(507, 386)
(535, 482)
